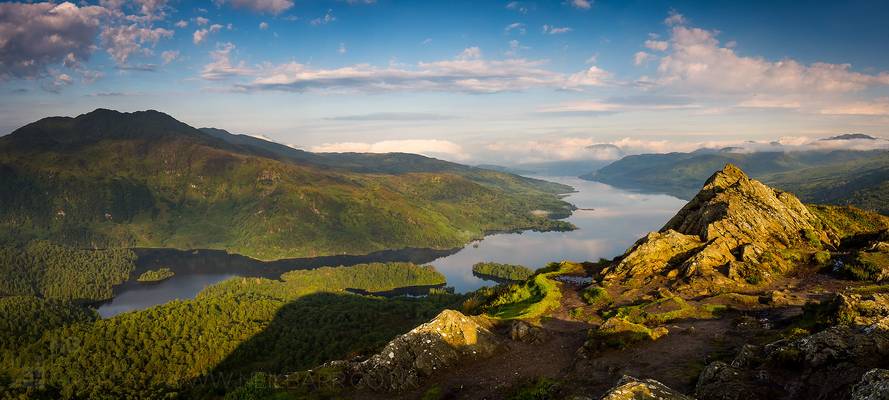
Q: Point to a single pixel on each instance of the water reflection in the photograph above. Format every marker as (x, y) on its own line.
(609, 221)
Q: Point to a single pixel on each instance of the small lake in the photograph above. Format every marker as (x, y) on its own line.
(609, 221)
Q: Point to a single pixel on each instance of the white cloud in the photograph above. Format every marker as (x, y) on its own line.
(182, 23)
(517, 6)
(263, 25)
(201, 34)
(770, 102)
(57, 82)
(169, 55)
(341, 49)
(641, 57)
(658, 45)
(324, 20)
(675, 18)
(35, 36)
(273, 7)
(621, 105)
(515, 26)
(877, 107)
(592, 76)
(698, 63)
(469, 72)
(428, 147)
(514, 48)
(201, 21)
(124, 40)
(581, 4)
(470, 53)
(221, 67)
(552, 30)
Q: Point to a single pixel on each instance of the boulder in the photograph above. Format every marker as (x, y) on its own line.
(446, 341)
(522, 331)
(629, 388)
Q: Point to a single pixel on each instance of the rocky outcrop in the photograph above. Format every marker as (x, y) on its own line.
(447, 341)
(825, 365)
(629, 388)
(732, 232)
(874, 385)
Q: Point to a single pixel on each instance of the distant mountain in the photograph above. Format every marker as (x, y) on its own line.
(851, 136)
(858, 178)
(144, 179)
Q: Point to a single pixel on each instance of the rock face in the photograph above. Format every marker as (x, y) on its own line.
(731, 231)
(448, 340)
(874, 385)
(629, 388)
(825, 365)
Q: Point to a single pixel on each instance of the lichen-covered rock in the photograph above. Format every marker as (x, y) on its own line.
(629, 388)
(824, 365)
(448, 340)
(874, 385)
(617, 332)
(522, 331)
(733, 231)
(654, 254)
(721, 381)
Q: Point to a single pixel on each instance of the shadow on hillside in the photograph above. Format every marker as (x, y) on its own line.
(317, 328)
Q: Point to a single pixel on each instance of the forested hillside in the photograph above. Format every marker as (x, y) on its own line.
(110, 179)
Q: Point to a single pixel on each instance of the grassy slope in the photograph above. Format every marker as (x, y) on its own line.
(149, 181)
(838, 177)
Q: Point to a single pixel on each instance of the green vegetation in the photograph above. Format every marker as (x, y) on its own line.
(664, 310)
(25, 318)
(849, 221)
(529, 299)
(595, 296)
(859, 178)
(619, 333)
(52, 271)
(156, 275)
(508, 272)
(867, 266)
(537, 389)
(232, 329)
(108, 179)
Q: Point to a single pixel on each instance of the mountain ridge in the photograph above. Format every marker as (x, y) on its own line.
(144, 179)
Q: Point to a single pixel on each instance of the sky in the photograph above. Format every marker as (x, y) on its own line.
(470, 81)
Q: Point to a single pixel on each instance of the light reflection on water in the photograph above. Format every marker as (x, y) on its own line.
(617, 219)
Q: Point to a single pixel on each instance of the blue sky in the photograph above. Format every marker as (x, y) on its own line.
(472, 81)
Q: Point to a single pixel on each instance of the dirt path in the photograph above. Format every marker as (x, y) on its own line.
(675, 359)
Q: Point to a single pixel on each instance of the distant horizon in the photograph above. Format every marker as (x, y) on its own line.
(470, 82)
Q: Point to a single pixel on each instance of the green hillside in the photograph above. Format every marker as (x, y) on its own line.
(859, 178)
(144, 179)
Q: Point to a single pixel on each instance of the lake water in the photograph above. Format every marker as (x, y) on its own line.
(609, 221)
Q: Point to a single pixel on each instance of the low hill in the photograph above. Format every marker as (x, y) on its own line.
(144, 179)
(834, 177)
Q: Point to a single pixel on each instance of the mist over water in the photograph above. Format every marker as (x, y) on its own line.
(609, 221)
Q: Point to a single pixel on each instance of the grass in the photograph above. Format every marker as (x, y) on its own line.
(596, 296)
(665, 310)
(619, 333)
(534, 297)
